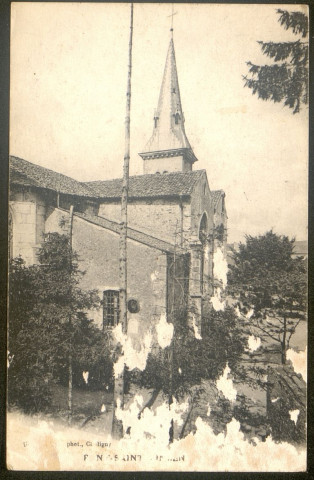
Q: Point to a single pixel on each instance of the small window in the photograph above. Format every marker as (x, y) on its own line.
(177, 118)
(111, 308)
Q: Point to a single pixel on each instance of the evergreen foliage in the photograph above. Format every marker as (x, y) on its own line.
(286, 80)
(42, 300)
(269, 287)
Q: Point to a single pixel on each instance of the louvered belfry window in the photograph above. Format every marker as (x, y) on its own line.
(111, 308)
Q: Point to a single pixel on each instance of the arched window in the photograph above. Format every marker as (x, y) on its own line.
(203, 231)
(177, 118)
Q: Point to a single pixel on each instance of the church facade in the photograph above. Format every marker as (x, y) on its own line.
(175, 222)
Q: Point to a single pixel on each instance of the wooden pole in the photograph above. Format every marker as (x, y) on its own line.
(171, 352)
(118, 397)
(70, 366)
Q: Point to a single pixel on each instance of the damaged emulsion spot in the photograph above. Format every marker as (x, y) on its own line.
(254, 343)
(294, 414)
(299, 361)
(225, 385)
(131, 357)
(220, 275)
(164, 331)
(196, 329)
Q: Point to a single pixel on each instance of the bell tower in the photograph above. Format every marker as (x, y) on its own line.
(168, 149)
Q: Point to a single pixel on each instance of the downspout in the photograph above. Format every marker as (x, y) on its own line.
(70, 362)
(181, 219)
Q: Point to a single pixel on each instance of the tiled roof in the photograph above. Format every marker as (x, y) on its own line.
(140, 186)
(27, 173)
(216, 194)
(154, 185)
(136, 235)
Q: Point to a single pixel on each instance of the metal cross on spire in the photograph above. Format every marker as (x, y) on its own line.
(172, 15)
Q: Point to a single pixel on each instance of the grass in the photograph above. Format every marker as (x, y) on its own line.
(85, 403)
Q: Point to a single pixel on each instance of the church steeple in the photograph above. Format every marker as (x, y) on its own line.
(168, 149)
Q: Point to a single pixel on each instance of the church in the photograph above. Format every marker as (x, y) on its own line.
(176, 224)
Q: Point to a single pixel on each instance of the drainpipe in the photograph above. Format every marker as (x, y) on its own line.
(181, 220)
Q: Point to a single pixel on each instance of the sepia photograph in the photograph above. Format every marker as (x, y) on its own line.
(158, 237)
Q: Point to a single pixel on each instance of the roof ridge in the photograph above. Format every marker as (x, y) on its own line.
(152, 185)
(193, 172)
(171, 184)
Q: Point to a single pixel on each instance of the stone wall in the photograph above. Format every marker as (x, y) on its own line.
(178, 221)
(220, 222)
(160, 218)
(167, 218)
(201, 202)
(178, 287)
(161, 165)
(98, 251)
(28, 212)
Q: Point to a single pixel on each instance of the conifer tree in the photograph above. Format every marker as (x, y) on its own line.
(286, 79)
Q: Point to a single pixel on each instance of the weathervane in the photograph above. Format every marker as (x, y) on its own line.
(172, 15)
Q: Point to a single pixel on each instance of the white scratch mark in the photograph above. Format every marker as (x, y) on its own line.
(254, 343)
(220, 266)
(196, 330)
(85, 376)
(164, 331)
(131, 357)
(299, 361)
(225, 385)
(294, 415)
(216, 300)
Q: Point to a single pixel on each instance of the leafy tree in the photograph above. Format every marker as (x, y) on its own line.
(269, 287)
(286, 80)
(179, 368)
(42, 298)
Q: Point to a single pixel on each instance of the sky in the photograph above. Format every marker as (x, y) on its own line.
(68, 99)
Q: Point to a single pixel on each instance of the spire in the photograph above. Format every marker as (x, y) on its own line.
(168, 132)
